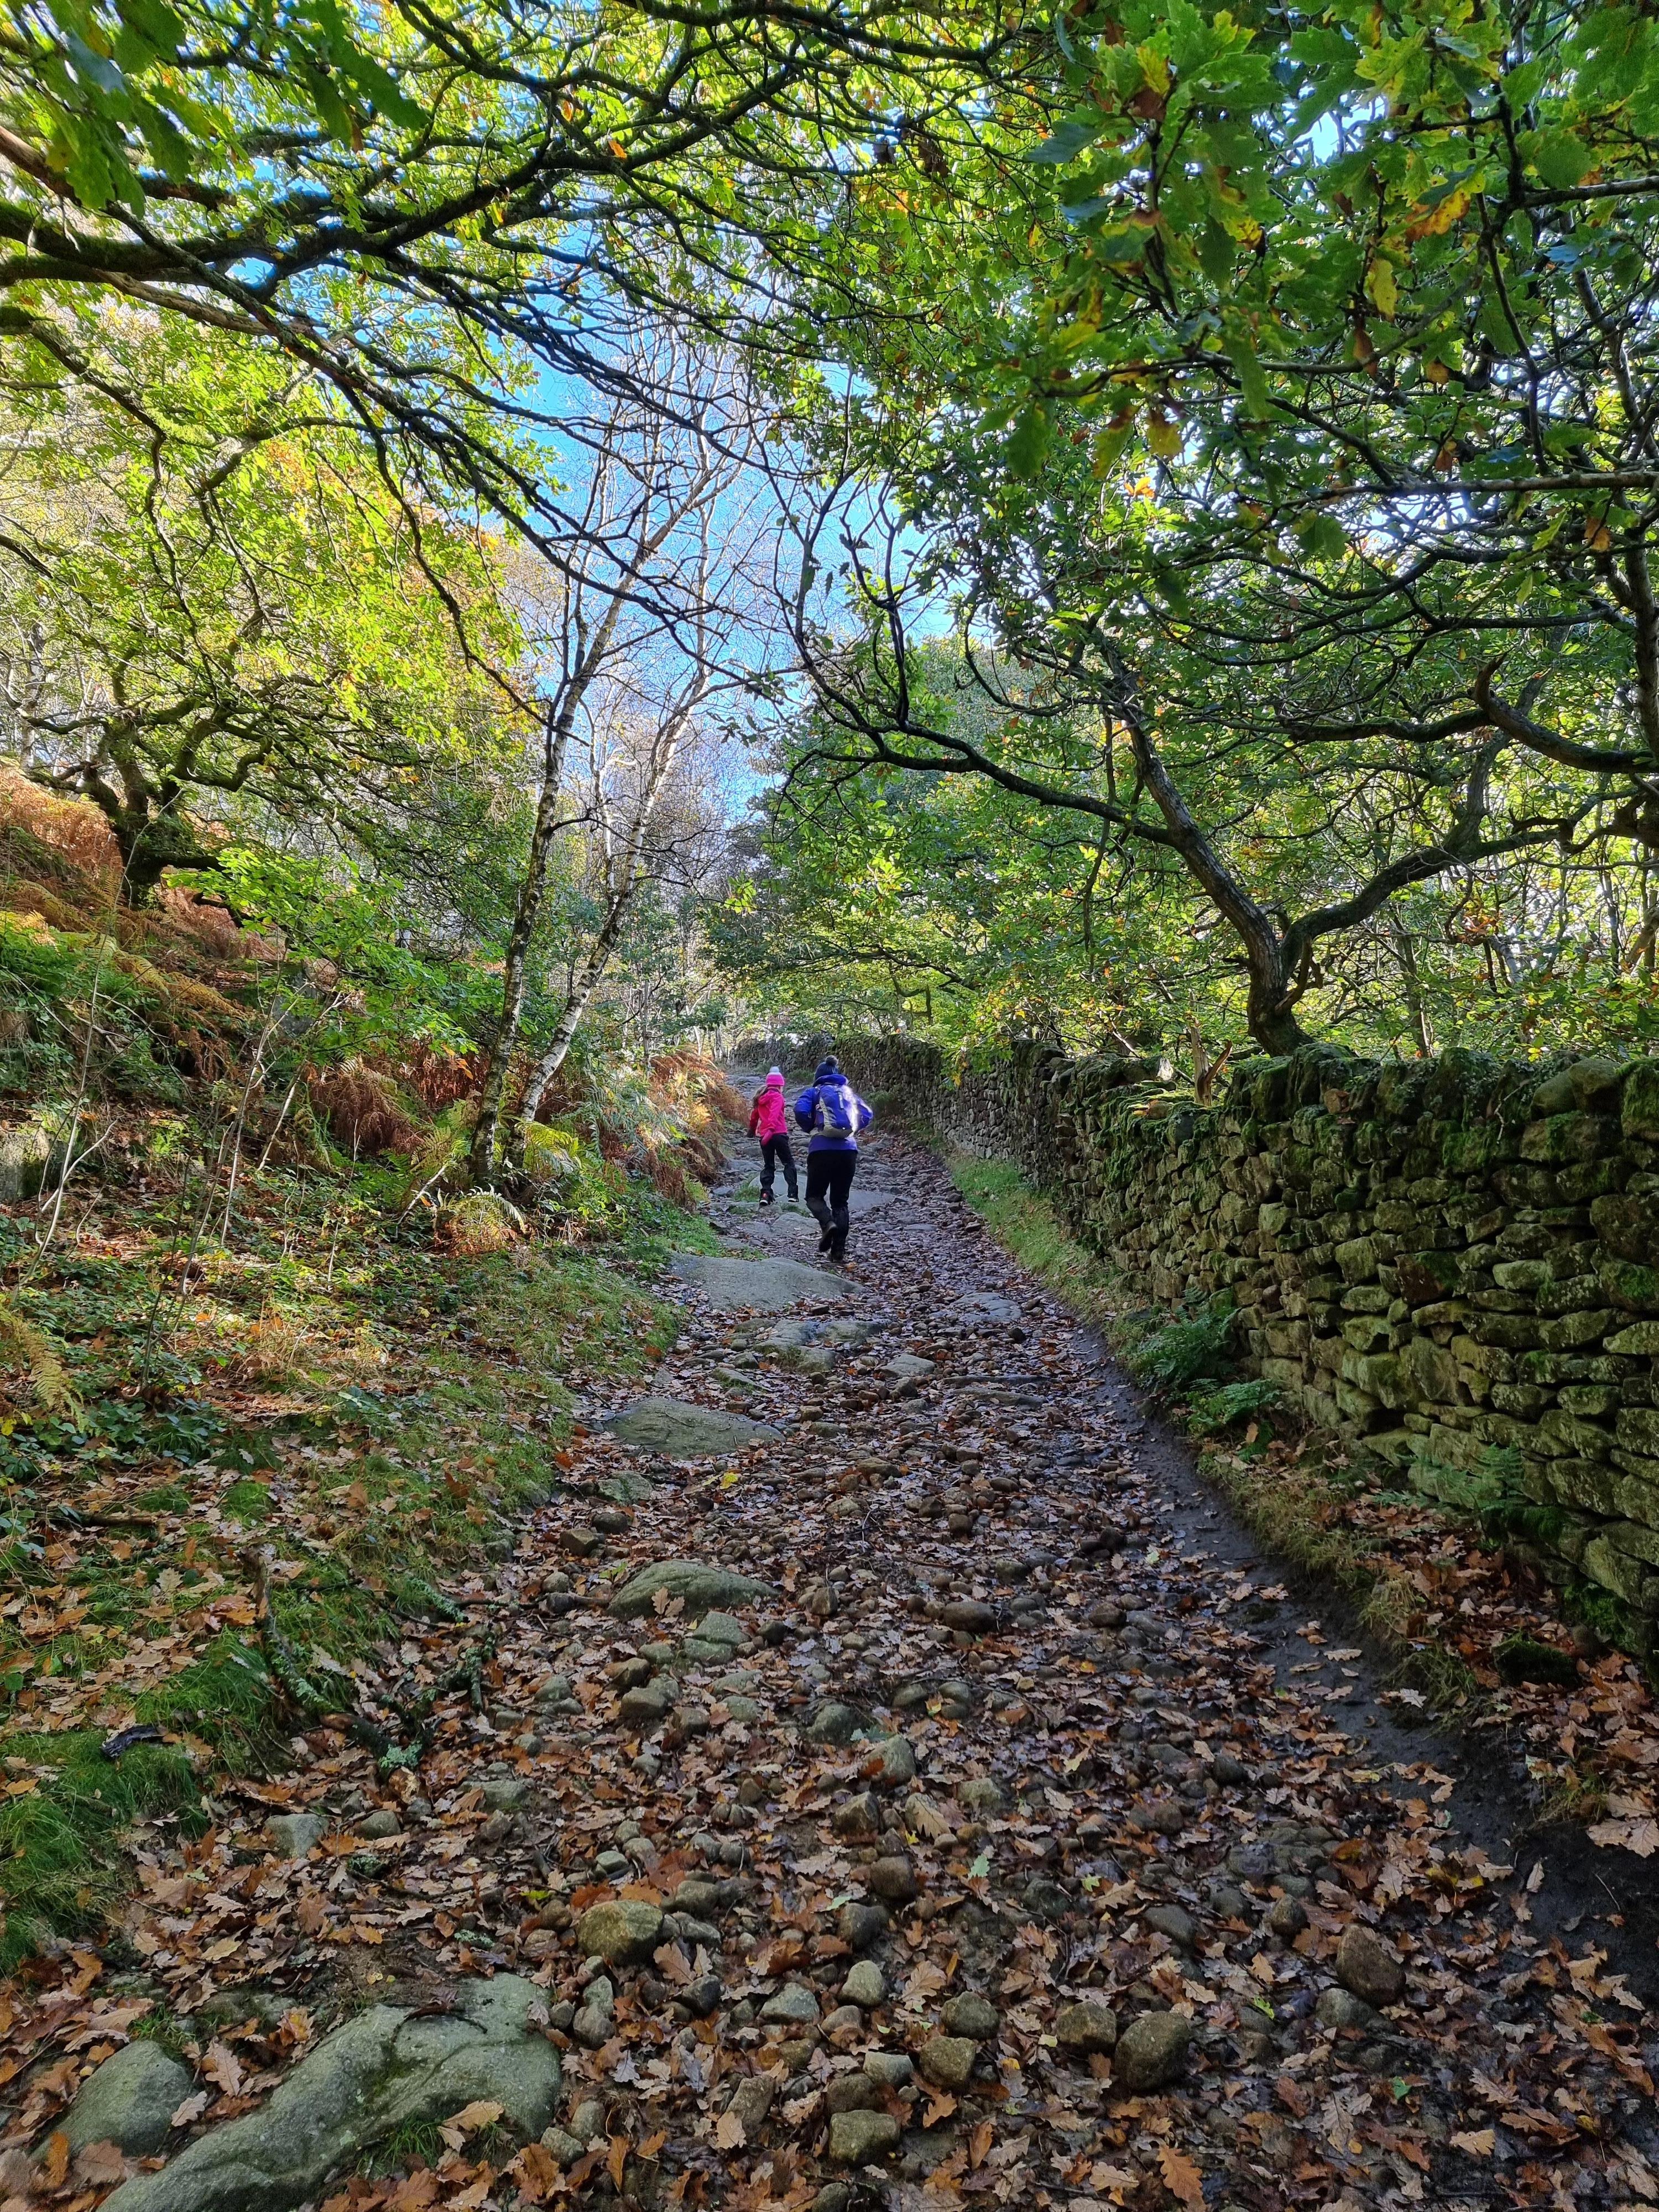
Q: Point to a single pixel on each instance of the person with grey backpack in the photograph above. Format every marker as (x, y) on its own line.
(833, 1113)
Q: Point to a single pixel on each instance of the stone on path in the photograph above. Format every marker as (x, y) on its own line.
(755, 1285)
(293, 1834)
(622, 1931)
(129, 2100)
(907, 1367)
(948, 2060)
(1367, 1967)
(702, 1585)
(1151, 2051)
(985, 1305)
(855, 2138)
(1088, 2027)
(386, 2070)
(680, 1429)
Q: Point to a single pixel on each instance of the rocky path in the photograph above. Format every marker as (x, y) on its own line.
(893, 1788)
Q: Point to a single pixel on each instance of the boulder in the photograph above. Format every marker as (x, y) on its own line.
(701, 1584)
(129, 2100)
(624, 1931)
(755, 1285)
(680, 1430)
(385, 2070)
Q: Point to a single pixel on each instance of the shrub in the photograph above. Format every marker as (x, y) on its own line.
(479, 1221)
(1190, 1347)
(364, 1114)
(1210, 1412)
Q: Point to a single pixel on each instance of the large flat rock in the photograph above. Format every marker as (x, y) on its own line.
(755, 1285)
(704, 1586)
(383, 2070)
(680, 1430)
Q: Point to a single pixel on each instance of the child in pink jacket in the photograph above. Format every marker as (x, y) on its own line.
(768, 1121)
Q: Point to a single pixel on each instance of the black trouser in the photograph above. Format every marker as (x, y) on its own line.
(829, 1184)
(775, 1151)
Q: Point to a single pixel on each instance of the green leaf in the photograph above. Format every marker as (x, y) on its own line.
(1029, 441)
(1071, 137)
(1559, 157)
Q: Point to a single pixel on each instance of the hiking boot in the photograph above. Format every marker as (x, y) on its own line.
(766, 1198)
(825, 1242)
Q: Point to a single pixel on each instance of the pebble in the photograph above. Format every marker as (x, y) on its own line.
(1365, 1965)
(865, 1984)
(1288, 1917)
(834, 1723)
(858, 1816)
(649, 1702)
(981, 1794)
(383, 1823)
(892, 2070)
(1173, 1920)
(893, 1879)
(852, 2093)
(1087, 2028)
(622, 1931)
(1341, 2008)
(970, 1615)
(899, 1762)
(859, 1925)
(794, 2002)
(291, 1835)
(972, 2015)
(845, 2020)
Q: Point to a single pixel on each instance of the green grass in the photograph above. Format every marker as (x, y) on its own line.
(58, 1865)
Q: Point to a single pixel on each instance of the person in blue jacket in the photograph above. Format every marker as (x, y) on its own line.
(833, 1113)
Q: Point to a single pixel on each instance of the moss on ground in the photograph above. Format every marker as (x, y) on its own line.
(368, 1408)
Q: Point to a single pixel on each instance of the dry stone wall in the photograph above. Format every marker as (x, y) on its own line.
(1451, 1264)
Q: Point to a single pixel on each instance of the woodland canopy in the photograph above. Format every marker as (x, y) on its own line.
(1132, 524)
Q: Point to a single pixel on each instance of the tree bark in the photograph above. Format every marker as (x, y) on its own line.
(578, 998)
(481, 1158)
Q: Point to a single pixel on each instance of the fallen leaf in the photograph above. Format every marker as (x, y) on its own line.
(1479, 2142)
(1181, 2177)
(223, 2068)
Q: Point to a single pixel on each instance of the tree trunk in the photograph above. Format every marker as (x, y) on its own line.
(1272, 1001)
(577, 1001)
(481, 1157)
